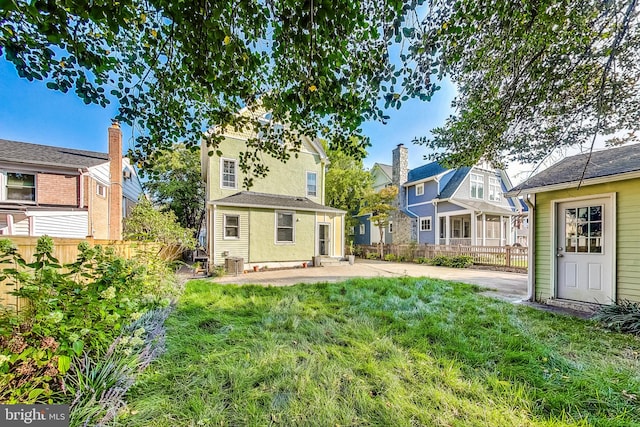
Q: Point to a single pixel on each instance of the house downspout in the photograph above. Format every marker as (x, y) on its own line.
(530, 200)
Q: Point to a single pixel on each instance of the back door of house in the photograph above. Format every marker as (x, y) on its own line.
(584, 250)
(323, 239)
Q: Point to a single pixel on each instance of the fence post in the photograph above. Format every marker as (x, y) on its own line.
(508, 256)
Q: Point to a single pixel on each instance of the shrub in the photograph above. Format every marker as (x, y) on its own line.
(456, 261)
(72, 309)
(390, 257)
(422, 260)
(623, 316)
(372, 255)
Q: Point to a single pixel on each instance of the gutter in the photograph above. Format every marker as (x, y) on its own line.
(530, 200)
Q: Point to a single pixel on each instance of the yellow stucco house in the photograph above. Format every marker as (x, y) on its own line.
(282, 221)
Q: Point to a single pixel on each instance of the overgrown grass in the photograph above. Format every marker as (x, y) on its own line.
(398, 352)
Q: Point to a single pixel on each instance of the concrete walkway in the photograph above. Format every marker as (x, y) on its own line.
(500, 284)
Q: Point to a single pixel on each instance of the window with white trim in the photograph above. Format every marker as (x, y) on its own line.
(228, 173)
(285, 227)
(312, 187)
(495, 190)
(362, 229)
(477, 186)
(425, 223)
(101, 190)
(20, 187)
(231, 227)
(420, 189)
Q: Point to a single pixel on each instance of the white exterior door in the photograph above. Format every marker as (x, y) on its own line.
(585, 250)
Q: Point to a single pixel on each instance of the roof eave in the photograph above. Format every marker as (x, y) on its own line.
(571, 184)
(257, 205)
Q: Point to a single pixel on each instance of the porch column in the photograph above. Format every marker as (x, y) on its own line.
(473, 220)
(9, 224)
(448, 231)
(484, 229)
(501, 230)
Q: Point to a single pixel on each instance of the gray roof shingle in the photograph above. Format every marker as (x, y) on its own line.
(253, 199)
(610, 162)
(425, 171)
(455, 181)
(35, 154)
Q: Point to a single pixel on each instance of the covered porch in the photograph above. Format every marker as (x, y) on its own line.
(490, 227)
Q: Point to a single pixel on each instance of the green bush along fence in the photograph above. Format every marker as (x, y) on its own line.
(505, 257)
(66, 251)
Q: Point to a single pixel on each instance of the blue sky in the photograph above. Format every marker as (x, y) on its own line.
(30, 112)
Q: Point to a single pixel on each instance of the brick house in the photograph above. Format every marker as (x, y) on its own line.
(63, 192)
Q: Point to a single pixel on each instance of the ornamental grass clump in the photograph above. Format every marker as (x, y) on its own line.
(623, 316)
(68, 312)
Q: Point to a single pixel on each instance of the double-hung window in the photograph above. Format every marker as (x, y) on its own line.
(285, 222)
(20, 187)
(419, 189)
(494, 189)
(231, 227)
(477, 186)
(361, 229)
(312, 186)
(229, 172)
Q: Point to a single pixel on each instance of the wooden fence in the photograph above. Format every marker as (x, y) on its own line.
(66, 251)
(506, 257)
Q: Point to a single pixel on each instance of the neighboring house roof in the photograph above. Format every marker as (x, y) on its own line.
(34, 154)
(606, 164)
(454, 182)
(263, 200)
(386, 169)
(425, 171)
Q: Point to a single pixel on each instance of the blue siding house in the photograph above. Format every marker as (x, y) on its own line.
(463, 206)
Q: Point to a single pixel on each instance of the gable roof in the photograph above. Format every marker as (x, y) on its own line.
(454, 182)
(425, 171)
(386, 169)
(605, 164)
(275, 201)
(35, 154)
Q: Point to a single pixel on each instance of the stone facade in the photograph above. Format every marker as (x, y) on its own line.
(403, 226)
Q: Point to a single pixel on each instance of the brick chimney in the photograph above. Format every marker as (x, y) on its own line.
(115, 174)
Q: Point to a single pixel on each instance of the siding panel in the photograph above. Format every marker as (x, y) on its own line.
(627, 235)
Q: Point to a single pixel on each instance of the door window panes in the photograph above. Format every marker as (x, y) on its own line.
(583, 229)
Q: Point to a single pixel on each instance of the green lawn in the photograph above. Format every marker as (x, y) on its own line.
(384, 352)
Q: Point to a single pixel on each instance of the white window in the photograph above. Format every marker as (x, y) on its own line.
(285, 227)
(20, 187)
(228, 171)
(494, 189)
(101, 190)
(362, 229)
(231, 227)
(419, 189)
(390, 227)
(312, 184)
(477, 186)
(425, 223)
